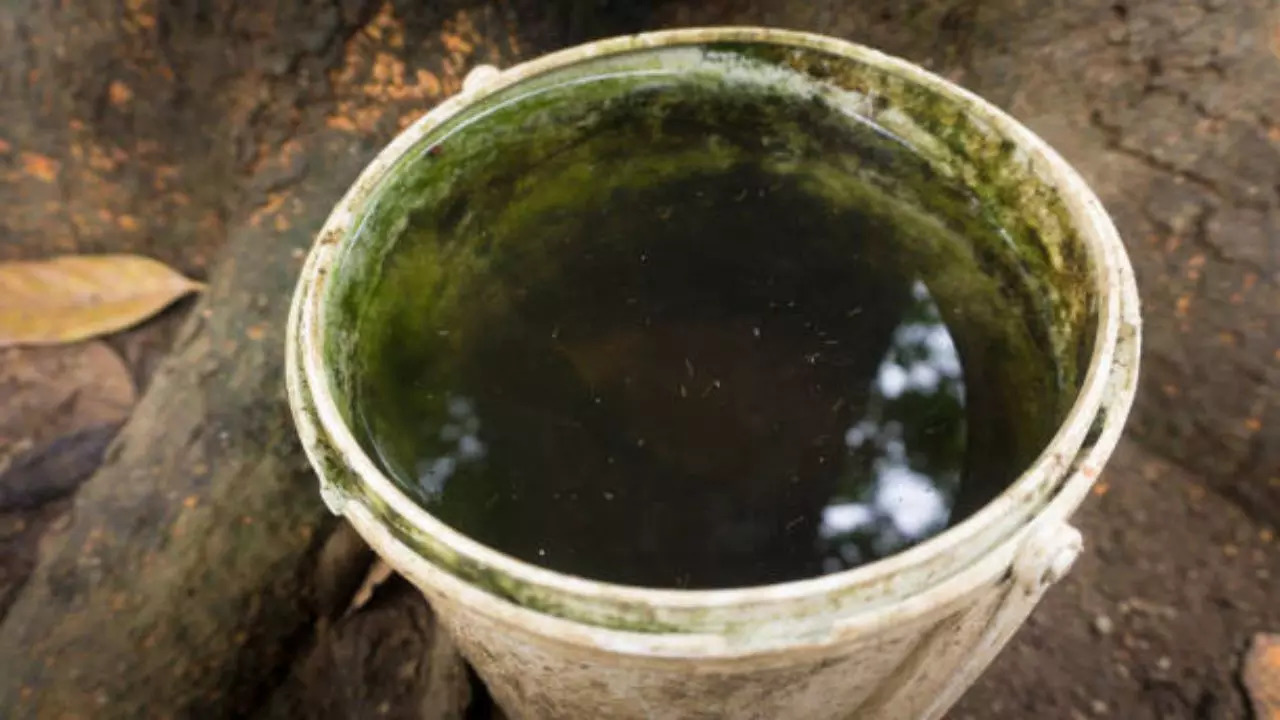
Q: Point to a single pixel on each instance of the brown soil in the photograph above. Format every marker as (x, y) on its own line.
(169, 128)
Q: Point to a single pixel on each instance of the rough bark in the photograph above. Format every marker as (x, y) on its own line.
(198, 563)
(187, 571)
(389, 659)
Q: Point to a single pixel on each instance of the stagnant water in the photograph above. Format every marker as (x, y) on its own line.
(656, 352)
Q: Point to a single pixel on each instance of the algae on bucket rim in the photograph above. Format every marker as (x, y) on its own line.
(476, 206)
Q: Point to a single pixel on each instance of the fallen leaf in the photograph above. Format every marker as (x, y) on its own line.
(378, 573)
(47, 473)
(1262, 676)
(58, 408)
(50, 392)
(74, 297)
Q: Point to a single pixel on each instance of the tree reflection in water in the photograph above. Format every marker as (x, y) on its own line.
(906, 452)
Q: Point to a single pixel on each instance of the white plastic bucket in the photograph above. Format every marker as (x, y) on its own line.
(899, 638)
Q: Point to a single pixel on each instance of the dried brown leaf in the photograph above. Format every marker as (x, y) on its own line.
(69, 298)
(378, 573)
(49, 392)
(1262, 676)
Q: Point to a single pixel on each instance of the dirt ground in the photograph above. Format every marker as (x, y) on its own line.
(175, 129)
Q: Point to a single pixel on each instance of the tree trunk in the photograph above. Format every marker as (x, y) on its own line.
(198, 564)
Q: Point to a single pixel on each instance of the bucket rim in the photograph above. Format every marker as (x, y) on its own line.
(1106, 392)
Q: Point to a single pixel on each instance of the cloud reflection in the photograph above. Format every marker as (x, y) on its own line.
(906, 450)
(463, 430)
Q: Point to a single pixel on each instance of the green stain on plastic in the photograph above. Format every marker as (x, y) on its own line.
(453, 181)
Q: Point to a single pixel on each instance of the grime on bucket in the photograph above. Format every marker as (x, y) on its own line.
(693, 321)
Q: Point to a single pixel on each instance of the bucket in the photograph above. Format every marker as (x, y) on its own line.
(902, 637)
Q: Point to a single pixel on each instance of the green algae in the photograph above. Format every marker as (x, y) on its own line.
(458, 181)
